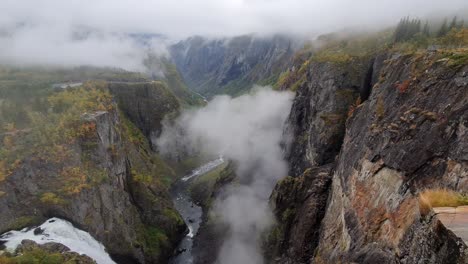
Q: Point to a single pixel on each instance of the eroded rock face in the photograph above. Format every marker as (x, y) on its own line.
(100, 209)
(118, 209)
(316, 124)
(409, 135)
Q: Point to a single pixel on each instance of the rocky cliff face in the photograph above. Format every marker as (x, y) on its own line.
(231, 65)
(316, 125)
(146, 104)
(106, 182)
(357, 180)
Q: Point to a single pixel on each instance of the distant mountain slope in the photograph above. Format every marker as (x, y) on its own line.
(231, 65)
(161, 68)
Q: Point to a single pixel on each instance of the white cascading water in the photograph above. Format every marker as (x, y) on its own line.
(205, 168)
(63, 232)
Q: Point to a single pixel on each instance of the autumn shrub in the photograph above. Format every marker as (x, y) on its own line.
(74, 179)
(403, 87)
(458, 58)
(380, 108)
(51, 198)
(353, 107)
(3, 170)
(456, 37)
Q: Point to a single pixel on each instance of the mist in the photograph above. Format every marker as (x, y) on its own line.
(64, 46)
(44, 32)
(246, 130)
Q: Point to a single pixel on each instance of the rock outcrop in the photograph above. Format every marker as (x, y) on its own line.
(61, 252)
(146, 104)
(211, 234)
(408, 136)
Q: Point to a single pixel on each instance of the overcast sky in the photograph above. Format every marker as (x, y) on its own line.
(187, 17)
(49, 22)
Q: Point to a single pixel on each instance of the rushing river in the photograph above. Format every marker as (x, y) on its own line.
(190, 212)
(63, 232)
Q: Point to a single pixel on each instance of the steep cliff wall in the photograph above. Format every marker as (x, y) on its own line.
(316, 124)
(95, 168)
(408, 136)
(146, 104)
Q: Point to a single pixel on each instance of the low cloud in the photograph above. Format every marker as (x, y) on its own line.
(248, 131)
(182, 18)
(41, 32)
(63, 46)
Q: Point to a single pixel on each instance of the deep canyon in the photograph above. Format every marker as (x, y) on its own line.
(315, 155)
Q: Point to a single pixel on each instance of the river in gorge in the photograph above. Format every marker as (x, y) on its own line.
(190, 212)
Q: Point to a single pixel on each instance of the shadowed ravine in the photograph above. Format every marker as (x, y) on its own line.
(190, 212)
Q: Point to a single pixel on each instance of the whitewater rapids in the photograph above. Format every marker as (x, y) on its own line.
(63, 232)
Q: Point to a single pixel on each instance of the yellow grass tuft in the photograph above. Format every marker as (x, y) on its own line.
(442, 198)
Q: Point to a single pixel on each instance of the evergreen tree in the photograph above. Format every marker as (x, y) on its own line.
(418, 26)
(453, 24)
(406, 29)
(426, 31)
(399, 31)
(443, 29)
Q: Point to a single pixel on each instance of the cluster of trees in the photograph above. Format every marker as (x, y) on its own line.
(407, 28)
(445, 27)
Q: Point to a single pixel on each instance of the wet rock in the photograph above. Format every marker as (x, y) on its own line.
(38, 231)
(2, 245)
(180, 251)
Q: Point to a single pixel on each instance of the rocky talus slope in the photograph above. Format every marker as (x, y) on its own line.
(357, 169)
(105, 181)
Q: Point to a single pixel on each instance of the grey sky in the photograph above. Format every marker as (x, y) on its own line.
(39, 31)
(180, 18)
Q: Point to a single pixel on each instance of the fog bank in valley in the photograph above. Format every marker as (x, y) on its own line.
(246, 130)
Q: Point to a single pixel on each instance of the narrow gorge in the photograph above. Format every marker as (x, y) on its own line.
(255, 149)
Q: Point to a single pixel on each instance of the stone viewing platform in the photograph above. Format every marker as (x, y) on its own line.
(455, 219)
